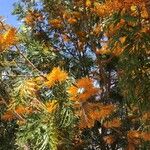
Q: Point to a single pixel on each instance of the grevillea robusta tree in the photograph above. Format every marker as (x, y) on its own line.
(75, 75)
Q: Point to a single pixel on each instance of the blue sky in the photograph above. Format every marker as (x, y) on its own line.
(6, 7)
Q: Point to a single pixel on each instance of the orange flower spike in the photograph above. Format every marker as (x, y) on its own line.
(32, 17)
(56, 76)
(105, 111)
(22, 110)
(82, 90)
(88, 3)
(72, 21)
(65, 38)
(1, 44)
(9, 38)
(146, 116)
(115, 123)
(56, 23)
(97, 29)
(145, 136)
(103, 51)
(66, 15)
(21, 122)
(144, 12)
(109, 139)
(122, 39)
(29, 20)
(7, 116)
(134, 134)
(51, 106)
(73, 91)
(76, 15)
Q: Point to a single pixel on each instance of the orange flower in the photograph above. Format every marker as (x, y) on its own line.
(104, 50)
(7, 116)
(76, 14)
(1, 43)
(146, 116)
(12, 114)
(134, 134)
(29, 20)
(145, 136)
(82, 90)
(8, 39)
(138, 135)
(103, 111)
(90, 112)
(56, 76)
(22, 110)
(144, 12)
(109, 139)
(108, 7)
(115, 123)
(66, 15)
(33, 17)
(111, 6)
(56, 23)
(97, 29)
(122, 39)
(51, 106)
(86, 123)
(10, 36)
(117, 50)
(72, 20)
(65, 37)
(88, 3)
(21, 122)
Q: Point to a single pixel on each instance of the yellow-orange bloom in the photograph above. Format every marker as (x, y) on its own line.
(82, 90)
(86, 122)
(56, 23)
(111, 6)
(22, 110)
(109, 139)
(7, 116)
(122, 39)
(145, 136)
(134, 134)
(104, 50)
(32, 17)
(72, 20)
(102, 112)
(21, 122)
(115, 123)
(56, 76)
(12, 114)
(146, 116)
(8, 39)
(90, 112)
(139, 135)
(1, 43)
(88, 3)
(51, 106)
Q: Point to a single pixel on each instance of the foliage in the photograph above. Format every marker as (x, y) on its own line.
(76, 75)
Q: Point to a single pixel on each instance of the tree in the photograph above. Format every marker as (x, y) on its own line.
(76, 75)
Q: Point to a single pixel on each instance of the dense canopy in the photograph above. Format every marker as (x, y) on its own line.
(75, 76)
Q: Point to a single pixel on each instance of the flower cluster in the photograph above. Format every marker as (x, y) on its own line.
(7, 39)
(56, 76)
(82, 90)
(32, 17)
(91, 112)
